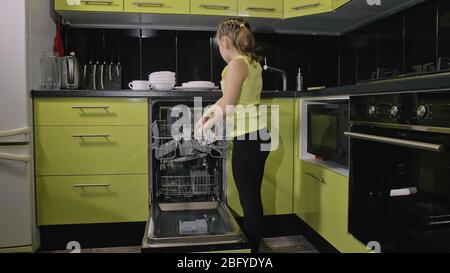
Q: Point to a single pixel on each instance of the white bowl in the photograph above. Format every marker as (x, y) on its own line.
(163, 86)
(162, 74)
(162, 82)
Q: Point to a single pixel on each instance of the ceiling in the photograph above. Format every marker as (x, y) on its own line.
(352, 16)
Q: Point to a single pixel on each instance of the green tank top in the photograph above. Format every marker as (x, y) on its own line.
(246, 118)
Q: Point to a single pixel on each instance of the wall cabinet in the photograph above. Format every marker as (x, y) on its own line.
(277, 9)
(89, 5)
(157, 6)
(91, 160)
(258, 8)
(277, 188)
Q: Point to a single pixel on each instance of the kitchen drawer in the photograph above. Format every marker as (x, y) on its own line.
(65, 200)
(258, 8)
(90, 111)
(295, 8)
(91, 150)
(214, 7)
(90, 5)
(158, 6)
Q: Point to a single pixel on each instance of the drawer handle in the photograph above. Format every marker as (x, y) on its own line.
(98, 2)
(149, 4)
(92, 136)
(320, 180)
(308, 6)
(92, 185)
(15, 132)
(208, 6)
(90, 107)
(13, 157)
(261, 9)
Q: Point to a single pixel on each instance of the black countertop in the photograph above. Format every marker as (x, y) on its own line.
(151, 94)
(417, 83)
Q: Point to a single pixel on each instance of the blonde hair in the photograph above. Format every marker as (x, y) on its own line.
(240, 33)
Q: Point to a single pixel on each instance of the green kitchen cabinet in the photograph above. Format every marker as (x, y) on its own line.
(258, 8)
(89, 5)
(90, 112)
(91, 158)
(157, 6)
(277, 188)
(297, 8)
(91, 150)
(65, 200)
(215, 7)
(321, 200)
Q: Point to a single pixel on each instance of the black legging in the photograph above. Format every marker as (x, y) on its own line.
(248, 161)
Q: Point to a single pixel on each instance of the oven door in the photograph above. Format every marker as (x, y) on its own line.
(193, 227)
(400, 188)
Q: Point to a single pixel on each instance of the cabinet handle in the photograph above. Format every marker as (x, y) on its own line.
(308, 6)
(262, 9)
(13, 157)
(92, 136)
(92, 185)
(149, 4)
(90, 107)
(207, 6)
(98, 2)
(15, 132)
(320, 180)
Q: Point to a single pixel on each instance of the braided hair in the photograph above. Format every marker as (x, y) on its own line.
(240, 33)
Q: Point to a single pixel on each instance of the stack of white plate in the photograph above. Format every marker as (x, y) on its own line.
(162, 81)
(198, 85)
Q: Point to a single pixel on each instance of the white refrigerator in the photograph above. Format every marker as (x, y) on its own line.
(17, 209)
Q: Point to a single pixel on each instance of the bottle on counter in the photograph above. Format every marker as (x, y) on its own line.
(299, 80)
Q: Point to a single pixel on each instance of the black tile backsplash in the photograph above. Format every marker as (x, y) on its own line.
(292, 55)
(323, 61)
(194, 56)
(390, 43)
(159, 52)
(394, 45)
(406, 42)
(124, 46)
(420, 35)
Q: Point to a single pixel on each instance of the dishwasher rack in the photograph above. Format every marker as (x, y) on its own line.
(199, 183)
(168, 145)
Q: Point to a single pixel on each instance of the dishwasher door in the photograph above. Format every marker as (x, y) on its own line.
(193, 227)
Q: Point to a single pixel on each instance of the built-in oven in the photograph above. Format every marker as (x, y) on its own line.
(187, 185)
(400, 171)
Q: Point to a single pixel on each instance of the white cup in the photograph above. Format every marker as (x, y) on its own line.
(139, 85)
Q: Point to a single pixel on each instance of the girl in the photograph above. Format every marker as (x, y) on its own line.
(241, 87)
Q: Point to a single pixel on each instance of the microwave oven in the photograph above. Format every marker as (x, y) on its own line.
(327, 123)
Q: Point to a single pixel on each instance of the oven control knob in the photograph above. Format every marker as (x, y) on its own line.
(372, 110)
(394, 111)
(422, 111)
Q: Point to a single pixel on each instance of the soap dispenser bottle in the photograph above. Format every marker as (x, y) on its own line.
(299, 80)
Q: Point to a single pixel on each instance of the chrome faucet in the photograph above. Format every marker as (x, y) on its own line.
(283, 74)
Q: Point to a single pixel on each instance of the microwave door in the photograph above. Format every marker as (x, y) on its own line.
(206, 226)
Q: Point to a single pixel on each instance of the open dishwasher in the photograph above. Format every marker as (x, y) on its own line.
(187, 187)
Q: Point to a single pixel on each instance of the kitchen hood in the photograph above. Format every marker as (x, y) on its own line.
(353, 15)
